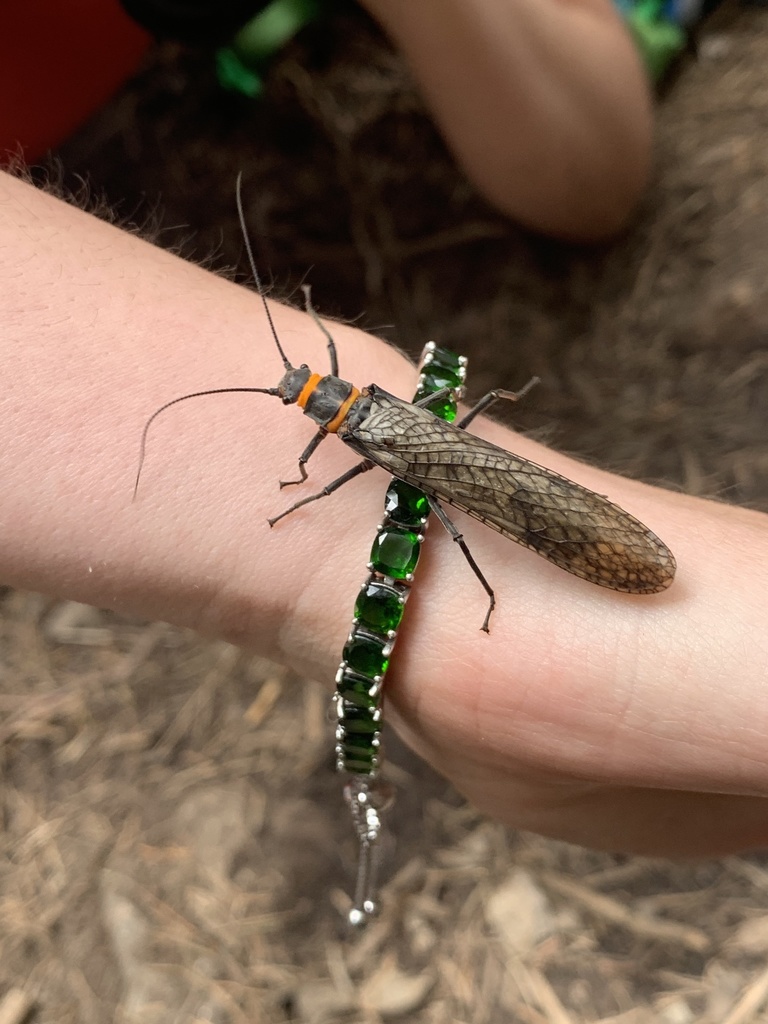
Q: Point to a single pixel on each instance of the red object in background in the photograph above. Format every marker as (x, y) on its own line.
(60, 60)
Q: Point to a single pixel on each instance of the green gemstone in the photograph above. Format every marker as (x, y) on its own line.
(444, 407)
(395, 552)
(357, 691)
(447, 360)
(436, 377)
(358, 759)
(406, 505)
(365, 654)
(378, 608)
(357, 721)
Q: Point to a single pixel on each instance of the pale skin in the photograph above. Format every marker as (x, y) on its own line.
(545, 104)
(633, 723)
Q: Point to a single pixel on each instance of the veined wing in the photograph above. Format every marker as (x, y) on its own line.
(571, 526)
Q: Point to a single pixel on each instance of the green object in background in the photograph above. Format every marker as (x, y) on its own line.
(271, 29)
(235, 76)
(240, 66)
(657, 29)
(658, 41)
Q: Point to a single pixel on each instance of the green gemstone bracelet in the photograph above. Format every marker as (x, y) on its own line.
(378, 611)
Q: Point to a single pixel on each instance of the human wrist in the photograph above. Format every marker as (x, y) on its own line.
(102, 328)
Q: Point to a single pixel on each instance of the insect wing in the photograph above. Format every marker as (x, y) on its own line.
(571, 526)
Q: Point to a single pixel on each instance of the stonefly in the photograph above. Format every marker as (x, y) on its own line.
(569, 525)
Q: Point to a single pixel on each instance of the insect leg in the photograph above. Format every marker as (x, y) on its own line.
(459, 539)
(331, 343)
(304, 458)
(361, 467)
(435, 396)
(494, 396)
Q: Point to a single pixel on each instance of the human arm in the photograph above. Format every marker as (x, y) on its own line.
(631, 723)
(545, 103)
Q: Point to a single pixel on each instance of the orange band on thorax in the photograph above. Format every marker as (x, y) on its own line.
(307, 390)
(341, 415)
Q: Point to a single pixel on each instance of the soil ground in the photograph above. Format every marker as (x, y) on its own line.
(174, 846)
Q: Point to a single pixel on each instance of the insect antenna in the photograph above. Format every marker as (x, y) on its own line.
(254, 271)
(183, 398)
(221, 391)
